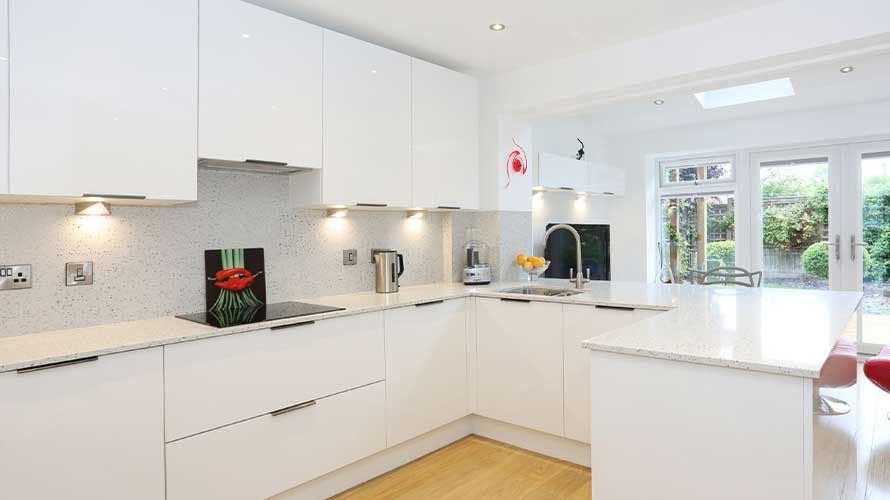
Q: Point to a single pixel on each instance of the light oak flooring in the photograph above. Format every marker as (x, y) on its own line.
(852, 462)
(476, 468)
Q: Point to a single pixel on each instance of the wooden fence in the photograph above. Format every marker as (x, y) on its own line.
(778, 263)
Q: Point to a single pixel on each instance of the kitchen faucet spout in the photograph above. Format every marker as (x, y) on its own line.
(579, 277)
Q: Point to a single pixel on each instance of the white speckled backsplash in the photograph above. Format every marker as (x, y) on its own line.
(149, 261)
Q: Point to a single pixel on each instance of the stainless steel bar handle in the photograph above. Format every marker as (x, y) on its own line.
(299, 406)
(837, 247)
(853, 246)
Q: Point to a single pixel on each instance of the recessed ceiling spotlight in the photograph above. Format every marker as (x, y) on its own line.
(497, 27)
(245, 35)
(658, 102)
(846, 69)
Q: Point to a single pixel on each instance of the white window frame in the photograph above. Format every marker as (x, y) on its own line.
(693, 162)
(725, 186)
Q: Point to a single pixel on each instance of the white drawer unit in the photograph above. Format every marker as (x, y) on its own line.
(579, 324)
(215, 382)
(519, 349)
(269, 454)
(426, 368)
(88, 429)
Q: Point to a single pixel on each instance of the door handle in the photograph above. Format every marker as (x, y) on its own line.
(288, 409)
(837, 247)
(853, 246)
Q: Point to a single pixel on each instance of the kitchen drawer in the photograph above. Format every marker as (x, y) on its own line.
(214, 382)
(269, 454)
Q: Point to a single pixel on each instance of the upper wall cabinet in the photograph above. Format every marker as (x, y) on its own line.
(103, 98)
(367, 127)
(4, 97)
(445, 136)
(260, 86)
(562, 172)
(605, 179)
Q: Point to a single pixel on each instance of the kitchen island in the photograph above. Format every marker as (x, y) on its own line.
(724, 383)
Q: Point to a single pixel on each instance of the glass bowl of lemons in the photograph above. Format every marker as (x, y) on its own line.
(533, 266)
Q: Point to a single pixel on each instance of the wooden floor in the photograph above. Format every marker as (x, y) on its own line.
(476, 468)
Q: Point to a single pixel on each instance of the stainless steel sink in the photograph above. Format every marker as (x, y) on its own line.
(539, 290)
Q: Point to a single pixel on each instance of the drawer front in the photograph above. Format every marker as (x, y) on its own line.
(266, 455)
(215, 382)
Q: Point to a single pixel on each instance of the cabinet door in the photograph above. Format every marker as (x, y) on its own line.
(579, 324)
(558, 172)
(4, 97)
(85, 431)
(104, 98)
(520, 363)
(445, 136)
(367, 123)
(260, 88)
(426, 368)
(263, 456)
(607, 180)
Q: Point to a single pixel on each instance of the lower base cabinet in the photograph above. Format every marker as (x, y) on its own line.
(520, 367)
(426, 368)
(87, 430)
(579, 324)
(266, 455)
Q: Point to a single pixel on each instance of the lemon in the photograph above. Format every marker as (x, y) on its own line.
(537, 262)
(528, 266)
(520, 259)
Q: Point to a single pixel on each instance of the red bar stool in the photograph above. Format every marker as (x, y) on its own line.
(877, 369)
(838, 371)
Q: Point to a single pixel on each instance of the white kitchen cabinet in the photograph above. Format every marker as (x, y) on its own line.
(103, 98)
(85, 430)
(4, 97)
(579, 324)
(519, 353)
(263, 456)
(562, 172)
(260, 86)
(214, 382)
(426, 368)
(605, 179)
(445, 137)
(367, 127)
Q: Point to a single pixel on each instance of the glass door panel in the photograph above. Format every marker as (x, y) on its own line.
(796, 246)
(698, 232)
(869, 241)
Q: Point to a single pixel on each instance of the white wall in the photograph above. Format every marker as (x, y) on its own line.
(633, 214)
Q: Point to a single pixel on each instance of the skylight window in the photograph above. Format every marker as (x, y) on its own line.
(742, 94)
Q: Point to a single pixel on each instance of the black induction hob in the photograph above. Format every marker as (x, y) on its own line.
(268, 312)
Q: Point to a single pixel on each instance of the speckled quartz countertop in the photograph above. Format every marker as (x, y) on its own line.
(778, 331)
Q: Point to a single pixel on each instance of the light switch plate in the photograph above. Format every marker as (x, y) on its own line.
(78, 273)
(15, 277)
(350, 257)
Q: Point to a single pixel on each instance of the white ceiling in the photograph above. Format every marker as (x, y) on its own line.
(817, 86)
(455, 33)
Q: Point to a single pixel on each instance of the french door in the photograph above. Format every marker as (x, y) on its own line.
(866, 238)
(796, 218)
(820, 219)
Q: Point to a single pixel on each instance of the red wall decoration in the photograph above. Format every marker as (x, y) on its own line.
(517, 162)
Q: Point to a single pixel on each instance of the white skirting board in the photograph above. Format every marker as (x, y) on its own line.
(393, 458)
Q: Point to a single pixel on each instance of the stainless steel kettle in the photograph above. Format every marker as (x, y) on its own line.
(390, 266)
